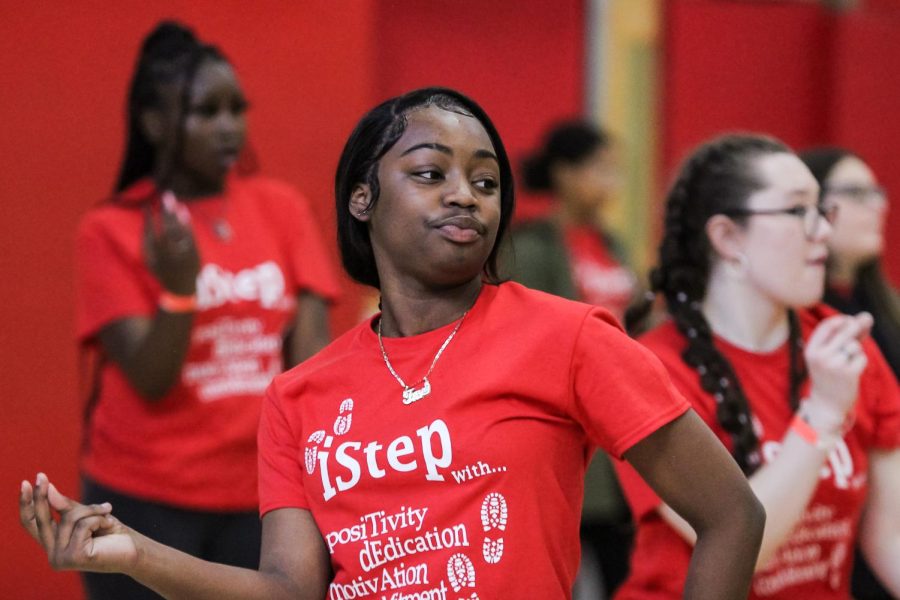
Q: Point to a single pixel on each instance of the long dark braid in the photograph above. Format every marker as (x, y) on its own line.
(718, 177)
(170, 54)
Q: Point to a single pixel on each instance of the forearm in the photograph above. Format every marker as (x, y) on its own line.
(785, 487)
(310, 333)
(150, 352)
(176, 575)
(884, 559)
(879, 532)
(722, 562)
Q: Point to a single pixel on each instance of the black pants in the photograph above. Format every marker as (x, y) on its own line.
(227, 537)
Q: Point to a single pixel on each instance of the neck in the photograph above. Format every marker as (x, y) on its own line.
(743, 316)
(842, 272)
(410, 311)
(186, 188)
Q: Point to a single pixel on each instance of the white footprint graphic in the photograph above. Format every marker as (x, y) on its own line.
(309, 455)
(492, 550)
(345, 417)
(460, 572)
(494, 512)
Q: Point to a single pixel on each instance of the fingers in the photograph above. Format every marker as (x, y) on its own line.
(58, 502)
(79, 524)
(26, 510)
(839, 336)
(43, 520)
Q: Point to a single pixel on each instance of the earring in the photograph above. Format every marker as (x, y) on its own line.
(739, 265)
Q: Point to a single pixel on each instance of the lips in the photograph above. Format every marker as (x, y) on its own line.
(460, 228)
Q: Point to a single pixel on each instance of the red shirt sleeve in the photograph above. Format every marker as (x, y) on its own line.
(280, 463)
(621, 391)
(880, 395)
(111, 281)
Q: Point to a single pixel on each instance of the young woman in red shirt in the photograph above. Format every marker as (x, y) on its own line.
(438, 450)
(197, 282)
(798, 394)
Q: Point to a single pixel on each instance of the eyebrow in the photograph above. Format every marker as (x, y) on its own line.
(803, 193)
(448, 151)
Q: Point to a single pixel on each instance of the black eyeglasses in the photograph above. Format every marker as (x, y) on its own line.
(808, 212)
(860, 194)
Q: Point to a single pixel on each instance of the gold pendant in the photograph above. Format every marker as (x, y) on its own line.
(411, 395)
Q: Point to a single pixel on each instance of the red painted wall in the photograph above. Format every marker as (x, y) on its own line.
(795, 70)
(310, 70)
(522, 61)
(864, 102)
(65, 68)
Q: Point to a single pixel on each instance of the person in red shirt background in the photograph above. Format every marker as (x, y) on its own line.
(196, 285)
(854, 279)
(438, 449)
(571, 254)
(799, 394)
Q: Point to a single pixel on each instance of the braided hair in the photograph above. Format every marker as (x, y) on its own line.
(170, 54)
(717, 178)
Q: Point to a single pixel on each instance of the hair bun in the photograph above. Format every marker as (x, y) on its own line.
(169, 40)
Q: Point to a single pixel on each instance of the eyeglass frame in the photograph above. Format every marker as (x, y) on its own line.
(825, 210)
(858, 194)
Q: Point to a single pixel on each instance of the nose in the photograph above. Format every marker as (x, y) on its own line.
(230, 125)
(824, 229)
(459, 193)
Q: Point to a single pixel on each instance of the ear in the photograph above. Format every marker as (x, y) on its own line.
(361, 202)
(153, 125)
(726, 237)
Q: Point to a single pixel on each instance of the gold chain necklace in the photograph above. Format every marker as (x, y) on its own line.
(413, 393)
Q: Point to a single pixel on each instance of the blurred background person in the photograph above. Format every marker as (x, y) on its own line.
(796, 391)
(571, 254)
(854, 280)
(196, 283)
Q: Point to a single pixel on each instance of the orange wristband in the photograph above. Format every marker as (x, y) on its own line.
(174, 303)
(810, 435)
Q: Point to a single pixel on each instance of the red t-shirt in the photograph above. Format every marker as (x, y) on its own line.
(815, 561)
(599, 278)
(196, 447)
(477, 487)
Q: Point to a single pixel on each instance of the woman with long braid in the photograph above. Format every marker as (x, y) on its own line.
(798, 393)
(195, 286)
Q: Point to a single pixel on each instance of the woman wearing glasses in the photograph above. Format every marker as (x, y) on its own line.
(799, 395)
(854, 279)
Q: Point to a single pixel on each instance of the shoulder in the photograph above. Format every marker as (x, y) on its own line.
(517, 301)
(339, 354)
(109, 219)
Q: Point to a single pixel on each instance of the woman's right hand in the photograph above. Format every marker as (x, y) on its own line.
(85, 537)
(835, 359)
(170, 250)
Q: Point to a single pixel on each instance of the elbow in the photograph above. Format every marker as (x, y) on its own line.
(744, 520)
(151, 391)
(754, 519)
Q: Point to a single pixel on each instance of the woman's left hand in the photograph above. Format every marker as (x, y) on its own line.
(85, 537)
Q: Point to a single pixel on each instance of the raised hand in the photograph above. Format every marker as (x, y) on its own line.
(835, 359)
(85, 537)
(170, 250)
